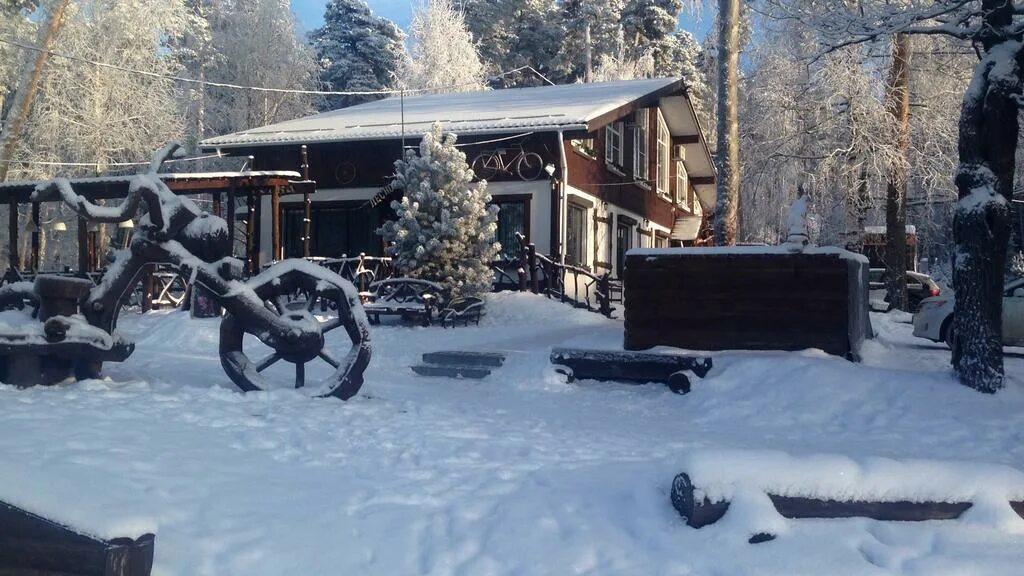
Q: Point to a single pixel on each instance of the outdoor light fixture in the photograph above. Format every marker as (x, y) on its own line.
(59, 226)
(550, 169)
(126, 224)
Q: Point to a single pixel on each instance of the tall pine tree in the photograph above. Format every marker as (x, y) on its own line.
(514, 33)
(649, 27)
(445, 229)
(357, 50)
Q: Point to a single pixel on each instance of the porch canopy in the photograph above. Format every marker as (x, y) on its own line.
(250, 185)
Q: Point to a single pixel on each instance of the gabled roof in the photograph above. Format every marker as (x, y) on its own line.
(542, 109)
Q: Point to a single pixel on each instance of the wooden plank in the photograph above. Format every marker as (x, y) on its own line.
(464, 358)
(701, 512)
(628, 366)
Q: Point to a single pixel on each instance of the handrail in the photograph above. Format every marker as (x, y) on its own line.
(535, 268)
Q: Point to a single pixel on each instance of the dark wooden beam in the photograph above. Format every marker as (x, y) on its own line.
(83, 245)
(36, 225)
(275, 223)
(687, 139)
(700, 512)
(232, 204)
(307, 208)
(702, 180)
(12, 234)
(250, 233)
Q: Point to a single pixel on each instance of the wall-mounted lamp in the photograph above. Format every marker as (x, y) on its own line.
(59, 226)
(646, 223)
(550, 169)
(126, 224)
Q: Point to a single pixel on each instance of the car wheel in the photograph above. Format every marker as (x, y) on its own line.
(949, 334)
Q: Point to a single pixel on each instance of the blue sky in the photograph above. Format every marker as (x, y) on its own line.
(311, 13)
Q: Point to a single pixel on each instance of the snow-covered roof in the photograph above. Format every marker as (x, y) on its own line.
(538, 109)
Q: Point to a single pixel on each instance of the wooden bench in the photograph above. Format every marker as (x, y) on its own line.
(633, 367)
(462, 310)
(410, 298)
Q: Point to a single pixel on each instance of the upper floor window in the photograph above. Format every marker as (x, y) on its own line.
(585, 146)
(613, 155)
(663, 156)
(641, 143)
(682, 186)
(576, 235)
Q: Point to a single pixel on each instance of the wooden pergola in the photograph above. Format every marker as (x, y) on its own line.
(252, 186)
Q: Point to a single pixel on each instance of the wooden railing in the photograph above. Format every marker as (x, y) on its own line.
(360, 270)
(541, 274)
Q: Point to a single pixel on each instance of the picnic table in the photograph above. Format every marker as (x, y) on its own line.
(410, 298)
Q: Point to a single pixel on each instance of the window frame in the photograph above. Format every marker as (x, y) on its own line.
(683, 187)
(641, 148)
(524, 201)
(576, 240)
(664, 152)
(614, 156)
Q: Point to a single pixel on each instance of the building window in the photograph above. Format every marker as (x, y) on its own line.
(609, 238)
(613, 145)
(660, 241)
(682, 186)
(336, 229)
(576, 236)
(663, 155)
(623, 242)
(641, 141)
(585, 147)
(512, 215)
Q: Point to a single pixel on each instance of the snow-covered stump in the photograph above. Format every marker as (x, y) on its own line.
(31, 544)
(772, 486)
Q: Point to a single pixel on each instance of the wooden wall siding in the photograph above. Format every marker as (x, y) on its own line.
(374, 160)
(746, 301)
(588, 175)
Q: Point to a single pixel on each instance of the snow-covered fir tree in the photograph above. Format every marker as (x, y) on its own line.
(649, 27)
(443, 56)
(597, 20)
(444, 229)
(514, 33)
(358, 51)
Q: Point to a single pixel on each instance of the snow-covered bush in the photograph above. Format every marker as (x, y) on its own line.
(445, 228)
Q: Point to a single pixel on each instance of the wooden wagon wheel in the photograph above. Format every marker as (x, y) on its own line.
(277, 291)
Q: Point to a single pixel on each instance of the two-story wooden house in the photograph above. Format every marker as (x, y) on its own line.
(623, 164)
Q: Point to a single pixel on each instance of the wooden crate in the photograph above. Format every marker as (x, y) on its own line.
(717, 299)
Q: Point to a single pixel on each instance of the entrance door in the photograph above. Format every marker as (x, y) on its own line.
(623, 242)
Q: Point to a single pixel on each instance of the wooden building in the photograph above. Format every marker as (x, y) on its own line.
(628, 166)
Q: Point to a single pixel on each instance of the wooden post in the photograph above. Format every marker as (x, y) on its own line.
(604, 295)
(231, 220)
(250, 234)
(277, 251)
(83, 246)
(524, 264)
(534, 275)
(257, 223)
(12, 234)
(147, 288)
(216, 203)
(35, 236)
(307, 209)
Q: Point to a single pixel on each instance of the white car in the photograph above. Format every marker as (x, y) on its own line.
(934, 318)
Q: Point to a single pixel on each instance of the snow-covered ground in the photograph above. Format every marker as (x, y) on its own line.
(516, 474)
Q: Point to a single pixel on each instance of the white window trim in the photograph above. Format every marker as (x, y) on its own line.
(613, 156)
(664, 151)
(642, 149)
(683, 187)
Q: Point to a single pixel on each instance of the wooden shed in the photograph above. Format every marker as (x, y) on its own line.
(753, 298)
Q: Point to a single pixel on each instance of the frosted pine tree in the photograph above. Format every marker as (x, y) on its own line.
(357, 50)
(444, 231)
(442, 56)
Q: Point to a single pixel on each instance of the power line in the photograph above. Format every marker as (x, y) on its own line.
(400, 91)
(98, 164)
